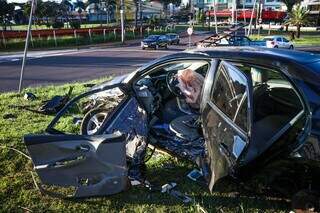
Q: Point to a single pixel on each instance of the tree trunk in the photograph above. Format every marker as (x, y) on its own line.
(298, 31)
(136, 15)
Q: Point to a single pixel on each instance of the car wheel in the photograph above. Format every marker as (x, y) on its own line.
(178, 42)
(291, 47)
(275, 46)
(143, 48)
(166, 46)
(92, 121)
(156, 47)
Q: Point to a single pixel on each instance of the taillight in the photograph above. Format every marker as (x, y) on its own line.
(272, 42)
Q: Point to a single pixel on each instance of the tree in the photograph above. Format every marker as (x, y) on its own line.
(79, 6)
(165, 4)
(298, 17)
(6, 13)
(289, 4)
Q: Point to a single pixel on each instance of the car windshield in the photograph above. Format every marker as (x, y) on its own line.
(268, 39)
(153, 37)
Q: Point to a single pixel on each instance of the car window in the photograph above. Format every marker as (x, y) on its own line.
(268, 39)
(229, 94)
(279, 39)
(153, 37)
(285, 40)
(275, 101)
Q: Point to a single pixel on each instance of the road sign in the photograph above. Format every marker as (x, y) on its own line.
(190, 31)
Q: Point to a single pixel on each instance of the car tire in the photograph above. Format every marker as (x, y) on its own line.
(177, 42)
(291, 47)
(156, 47)
(275, 47)
(143, 48)
(88, 125)
(166, 46)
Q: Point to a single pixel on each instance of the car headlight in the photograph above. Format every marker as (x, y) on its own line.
(153, 43)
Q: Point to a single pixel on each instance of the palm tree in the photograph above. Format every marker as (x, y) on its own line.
(298, 17)
(289, 4)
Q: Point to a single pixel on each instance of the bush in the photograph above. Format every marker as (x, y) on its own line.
(57, 24)
(75, 25)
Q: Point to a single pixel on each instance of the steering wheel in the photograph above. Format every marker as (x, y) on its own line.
(172, 83)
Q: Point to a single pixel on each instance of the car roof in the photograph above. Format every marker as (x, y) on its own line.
(254, 52)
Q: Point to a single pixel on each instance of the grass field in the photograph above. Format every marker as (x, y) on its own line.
(18, 193)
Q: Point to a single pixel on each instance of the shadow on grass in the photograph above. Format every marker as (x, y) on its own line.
(226, 196)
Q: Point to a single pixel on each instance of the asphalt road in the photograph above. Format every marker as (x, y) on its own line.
(57, 67)
(61, 66)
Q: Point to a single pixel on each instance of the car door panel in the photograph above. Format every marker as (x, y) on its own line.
(94, 165)
(225, 139)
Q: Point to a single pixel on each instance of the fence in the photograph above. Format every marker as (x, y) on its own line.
(89, 35)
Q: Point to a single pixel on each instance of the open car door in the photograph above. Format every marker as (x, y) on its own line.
(93, 165)
(226, 114)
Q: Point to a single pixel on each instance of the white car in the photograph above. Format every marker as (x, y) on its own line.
(278, 42)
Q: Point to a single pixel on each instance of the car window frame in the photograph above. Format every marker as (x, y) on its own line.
(295, 118)
(231, 121)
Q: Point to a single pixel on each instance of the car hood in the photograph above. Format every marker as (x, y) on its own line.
(115, 80)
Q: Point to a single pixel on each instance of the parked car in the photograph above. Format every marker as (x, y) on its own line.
(259, 108)
(173, 38)
(155, 42)
(278, 42)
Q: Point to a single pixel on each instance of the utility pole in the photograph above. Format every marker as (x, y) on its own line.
(122, 19)
(215, 15)
(140, 11)
(26, 45)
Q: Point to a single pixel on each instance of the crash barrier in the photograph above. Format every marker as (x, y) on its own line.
(104, 34)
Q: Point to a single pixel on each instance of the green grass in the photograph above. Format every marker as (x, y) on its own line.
(17, 191)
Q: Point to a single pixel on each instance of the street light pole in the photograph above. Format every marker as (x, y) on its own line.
(26, 45)
(122, 20)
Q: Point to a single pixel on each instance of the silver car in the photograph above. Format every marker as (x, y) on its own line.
(278, 42)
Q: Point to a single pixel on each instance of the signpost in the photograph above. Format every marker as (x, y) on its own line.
(26, 45)
(190, 31)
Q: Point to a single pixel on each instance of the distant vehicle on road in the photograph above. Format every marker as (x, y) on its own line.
(244, 41)
(155, 42)
(173, 38)
(278, 42)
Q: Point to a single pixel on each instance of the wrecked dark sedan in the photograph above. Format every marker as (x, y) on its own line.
(258, 108)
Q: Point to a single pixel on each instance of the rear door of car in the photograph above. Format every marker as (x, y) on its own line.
(226, 117)
(93, 165)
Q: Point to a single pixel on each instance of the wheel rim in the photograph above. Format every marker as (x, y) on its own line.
(95, 122)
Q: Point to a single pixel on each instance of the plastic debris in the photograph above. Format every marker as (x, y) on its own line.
(29, 96)
(9, 116)
(195, 174)
(169, 188)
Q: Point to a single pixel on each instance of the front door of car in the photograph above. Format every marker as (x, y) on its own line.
(226, 114)
(93, 165)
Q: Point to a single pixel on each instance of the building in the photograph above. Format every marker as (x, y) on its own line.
(271, 10)
(313, 7)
